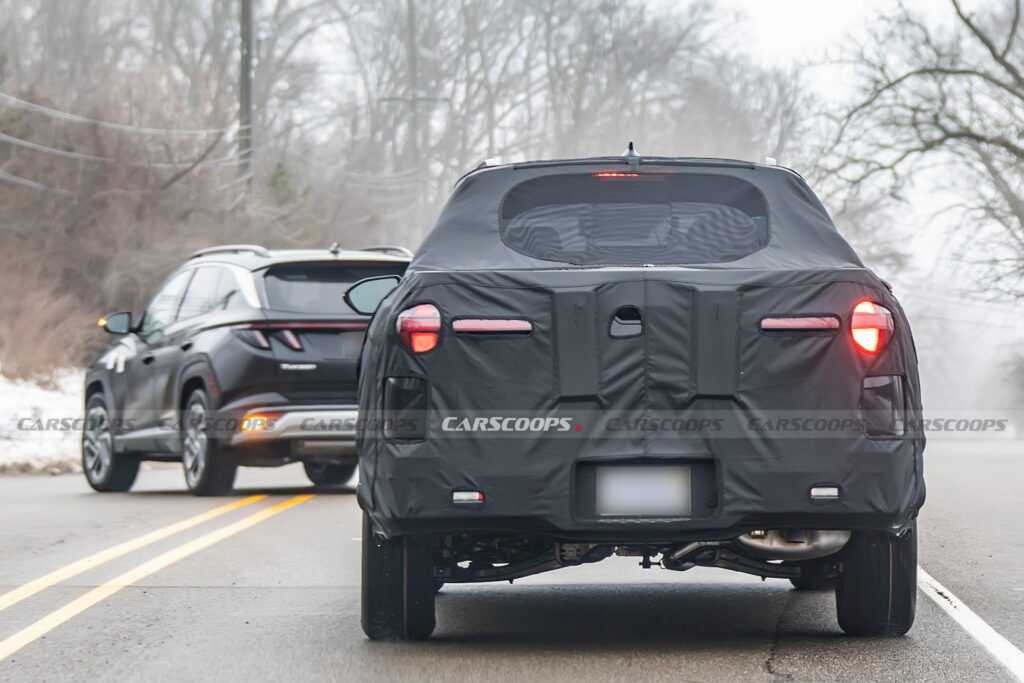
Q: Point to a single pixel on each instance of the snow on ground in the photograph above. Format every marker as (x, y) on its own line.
(40, 429)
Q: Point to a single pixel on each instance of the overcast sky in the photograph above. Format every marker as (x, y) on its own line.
(783, 32)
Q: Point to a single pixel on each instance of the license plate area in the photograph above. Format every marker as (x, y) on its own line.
(645, 488)
(643, 491)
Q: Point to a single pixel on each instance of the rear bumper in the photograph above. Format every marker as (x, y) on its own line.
(413, 494)
(311, 431)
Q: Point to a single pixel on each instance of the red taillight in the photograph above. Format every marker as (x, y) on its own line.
(290, 340)
(419, 327)
(252, 336)
(492, 326)
(799, 323)
(871, 326)
(616, 174)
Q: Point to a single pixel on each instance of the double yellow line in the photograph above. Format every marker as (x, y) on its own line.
(51, 621)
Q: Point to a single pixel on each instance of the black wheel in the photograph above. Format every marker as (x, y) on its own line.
(876, 593)
(104, 469)
(208, 470)
(398, 586)
(326, 474)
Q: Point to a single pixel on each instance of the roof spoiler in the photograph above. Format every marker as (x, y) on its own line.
(390, 249)
(233, 249)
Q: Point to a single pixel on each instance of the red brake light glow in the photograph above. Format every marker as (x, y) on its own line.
(419, 327)
(800, 323)
(616, 174)
(871, 326)
(492, 326)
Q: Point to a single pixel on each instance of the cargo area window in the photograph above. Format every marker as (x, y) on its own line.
(635, 218)
(313, 287)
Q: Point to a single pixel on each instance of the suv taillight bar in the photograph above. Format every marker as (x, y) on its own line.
(800, 322)
(299, 325)
(492, 326)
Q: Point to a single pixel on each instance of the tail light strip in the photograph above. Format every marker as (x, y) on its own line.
(253, 333)
(492, 326)
(800, 323)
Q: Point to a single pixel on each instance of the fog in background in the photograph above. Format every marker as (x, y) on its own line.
(119, 139)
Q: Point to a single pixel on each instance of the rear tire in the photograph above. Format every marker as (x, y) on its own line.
(876, 593)
(326, 474)
(104, 469)
(208, 470)
(398, 586)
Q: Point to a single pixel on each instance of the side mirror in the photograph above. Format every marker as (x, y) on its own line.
(365, 296)
(116, 323)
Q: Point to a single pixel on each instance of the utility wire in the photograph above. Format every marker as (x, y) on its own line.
(17, 180)
(110, 160)
(18, 103)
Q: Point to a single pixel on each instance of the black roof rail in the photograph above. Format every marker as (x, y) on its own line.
(390, 249)
(233, 249)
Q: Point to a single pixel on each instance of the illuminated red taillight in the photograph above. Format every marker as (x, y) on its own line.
(871, 326)
(419, 327)
(492, 326)
(799, 323)
(616, 174)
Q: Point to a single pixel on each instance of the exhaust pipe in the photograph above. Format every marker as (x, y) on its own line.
(776, 544)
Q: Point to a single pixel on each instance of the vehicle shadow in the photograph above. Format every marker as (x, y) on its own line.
(620, 617)
(243, 491)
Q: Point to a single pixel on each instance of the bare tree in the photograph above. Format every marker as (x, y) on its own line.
(946, 103)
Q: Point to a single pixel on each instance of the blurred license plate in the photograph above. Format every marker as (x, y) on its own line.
(646, 490)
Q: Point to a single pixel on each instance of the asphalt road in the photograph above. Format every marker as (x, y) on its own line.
(237, 598)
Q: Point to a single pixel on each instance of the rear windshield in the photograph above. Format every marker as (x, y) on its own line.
(319, 287)
(632, 219)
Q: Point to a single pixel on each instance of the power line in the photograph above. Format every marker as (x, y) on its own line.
(110, 160)
(17, 180)
(18, 103)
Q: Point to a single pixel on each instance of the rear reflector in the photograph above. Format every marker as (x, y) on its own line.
(824, 493)
(467, 497)
(871, 326)
(800, 323)
(419, 327)
(492, 326)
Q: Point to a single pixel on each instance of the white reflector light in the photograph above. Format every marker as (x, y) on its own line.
(462, 497)
(824, 493)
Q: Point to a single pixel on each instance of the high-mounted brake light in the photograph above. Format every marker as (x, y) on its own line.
(419, 327)
(871, 326)
(616, 174)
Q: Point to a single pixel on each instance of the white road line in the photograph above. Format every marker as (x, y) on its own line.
(998, 646)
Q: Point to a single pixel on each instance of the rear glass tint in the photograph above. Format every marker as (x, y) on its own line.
(319, 287)
(622, 219)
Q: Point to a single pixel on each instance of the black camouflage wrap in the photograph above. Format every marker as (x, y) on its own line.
(701, 352)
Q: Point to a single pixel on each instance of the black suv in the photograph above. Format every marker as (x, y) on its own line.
(244, 357)
(675, 359)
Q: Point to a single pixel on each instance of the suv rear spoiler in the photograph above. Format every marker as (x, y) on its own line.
(389, 249)
(233, 249)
